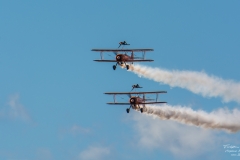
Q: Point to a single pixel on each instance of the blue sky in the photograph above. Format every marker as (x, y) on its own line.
(51, 90)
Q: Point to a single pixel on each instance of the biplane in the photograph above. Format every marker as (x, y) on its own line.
(136, 86)
(122, 57)
(135, 101)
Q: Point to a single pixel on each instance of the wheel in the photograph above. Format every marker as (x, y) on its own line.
(114, 67)
(127, 110)
(141, 109)
(127, 67)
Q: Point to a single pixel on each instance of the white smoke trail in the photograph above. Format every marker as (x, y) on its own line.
(219, 119)
(196, 82)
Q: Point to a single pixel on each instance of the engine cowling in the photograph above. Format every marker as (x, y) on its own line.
(118, 57)
(132, 100)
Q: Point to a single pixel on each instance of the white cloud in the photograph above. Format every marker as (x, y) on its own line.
(94, 153)
(44, 153)
(76, 129)
(16, 109)
(2, 113)
(180, 140)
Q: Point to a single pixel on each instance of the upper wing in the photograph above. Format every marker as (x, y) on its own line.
(115, 93)
(122, 50)
(139, 60)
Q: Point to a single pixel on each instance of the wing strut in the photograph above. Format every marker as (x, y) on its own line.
(144, 52)
(114, 97)
(132, 55)
(101, 54)
(144, 101)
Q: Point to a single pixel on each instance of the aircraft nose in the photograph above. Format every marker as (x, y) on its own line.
(132, 100)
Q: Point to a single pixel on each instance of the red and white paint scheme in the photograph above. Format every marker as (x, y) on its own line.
(136, 102)
(122, 56)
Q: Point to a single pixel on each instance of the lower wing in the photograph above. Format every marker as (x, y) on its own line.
(136, 60)
(152, 102)
(105, 60)
(112, 103)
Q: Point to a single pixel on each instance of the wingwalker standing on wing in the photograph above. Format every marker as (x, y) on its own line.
(135, 86)
(123, 43)
(136, 102)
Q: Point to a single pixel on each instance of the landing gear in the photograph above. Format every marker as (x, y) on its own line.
(114, 67)
(141, 109)
(127, 66)
(128, 109)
